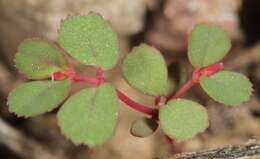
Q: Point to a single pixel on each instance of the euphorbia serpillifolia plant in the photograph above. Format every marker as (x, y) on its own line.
(90, 115)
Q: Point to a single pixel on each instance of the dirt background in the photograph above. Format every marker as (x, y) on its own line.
(164, 24)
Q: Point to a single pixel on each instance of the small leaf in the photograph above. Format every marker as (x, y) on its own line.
(227, 87)
(89, 39)
(208, 44)
(143, 127)
(90, 116)
(37, 58)
(145, 69)
(182, 119)
(37, 97)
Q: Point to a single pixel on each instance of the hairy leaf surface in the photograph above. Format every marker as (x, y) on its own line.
(145, 69)
(89, 117)
(89, 39)
(182, 119)
(208, 44)
(227, 87)
(37, 97)
(38, 58)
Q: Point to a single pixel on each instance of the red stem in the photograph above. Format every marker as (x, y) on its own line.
(96, 81)
(136, 106)
(99, 79)
(197, 73)
(90, 80)
(212, 69)
(182, 90)
(76, 77)
(207, 71)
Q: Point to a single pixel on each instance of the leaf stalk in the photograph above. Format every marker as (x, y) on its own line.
(100, 78)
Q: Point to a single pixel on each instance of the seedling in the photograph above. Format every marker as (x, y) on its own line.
(90, 115)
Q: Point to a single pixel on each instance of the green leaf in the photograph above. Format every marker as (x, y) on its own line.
(227, 87)
(37, 58)
(90, 116)
(145, 69)
(37, 97)
(143, 127)
(89, 39)
(208, 44)
(182, 119)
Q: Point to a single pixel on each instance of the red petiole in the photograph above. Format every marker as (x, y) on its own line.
(197, 73)
(99, 79)
(95, 81)
(136, 106)
(77, 77)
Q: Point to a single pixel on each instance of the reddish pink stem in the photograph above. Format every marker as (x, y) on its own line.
(212, 69)
(197, 73)
(136, 106)
(95, 81)
(99, 79)
(207, 71)
(76, 77)
(182, 90)
(90, 80)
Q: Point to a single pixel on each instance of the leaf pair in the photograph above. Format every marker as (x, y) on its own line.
(38, 59)
(182, 119)
(145, 69)
(89, 39)
(88, 117)
(208, 44)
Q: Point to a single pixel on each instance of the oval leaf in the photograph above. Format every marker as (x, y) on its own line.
(38, 58)
(207, 45)
(143, 127)
(182, 119)
(37, 97)
(227, 87)
(145, 69)
(90, 116)
(89, 39)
